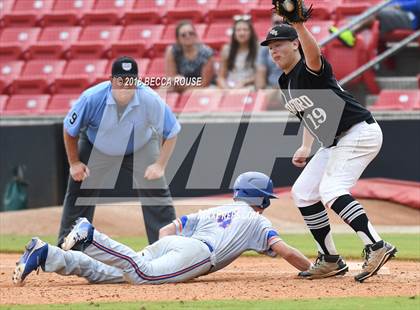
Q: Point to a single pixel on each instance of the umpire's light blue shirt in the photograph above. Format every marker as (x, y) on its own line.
(96, 110)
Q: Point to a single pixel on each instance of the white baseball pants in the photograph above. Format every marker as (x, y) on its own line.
(333, 171)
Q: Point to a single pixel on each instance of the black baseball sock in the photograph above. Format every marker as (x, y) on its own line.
(316, 218)
(352, 212)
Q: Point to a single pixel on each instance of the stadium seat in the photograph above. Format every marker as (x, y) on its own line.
(354, 57)
(37, 75)
(107, 12)
(3, 102)
(148, 11)
(142, 64)
(200, 101)
(397, 100)
(238, 100)
(262, 12)
(53, 42)
(27, 12)
(346, 11)
(169, 37)
(94, 41)
(136, 40)
(194, 10)
(170, 98)
(26, 104)
(218, 34)
(14, 41)
(6, 5)
(396, 35)
(79, 74)
(319, 28)
(262, 28)
(9, 71)
(67, 12)
(226, 9)
(61, 104)
(156, 68)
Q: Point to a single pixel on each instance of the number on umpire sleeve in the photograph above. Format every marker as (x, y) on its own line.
(73, 118)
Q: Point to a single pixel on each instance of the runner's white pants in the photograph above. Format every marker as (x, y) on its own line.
(333, 171)
(171, 259)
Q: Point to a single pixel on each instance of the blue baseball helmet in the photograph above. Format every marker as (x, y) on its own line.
(255, 188)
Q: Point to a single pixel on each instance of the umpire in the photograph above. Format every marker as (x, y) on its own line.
(119, 124)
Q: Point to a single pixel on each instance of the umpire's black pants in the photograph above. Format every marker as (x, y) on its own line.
(154, 195)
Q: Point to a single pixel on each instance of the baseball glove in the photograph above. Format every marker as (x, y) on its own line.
(293, 11)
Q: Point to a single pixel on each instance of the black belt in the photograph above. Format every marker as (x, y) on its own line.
(208, 245)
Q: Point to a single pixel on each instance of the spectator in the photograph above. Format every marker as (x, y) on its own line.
(400, 14)
(238, 58)
(267, 71)
(188, 57)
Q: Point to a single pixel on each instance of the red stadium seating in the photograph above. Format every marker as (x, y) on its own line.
(67, 12)
(27, 12)
(194, 10)
(94, 41)
(170, 98)
(53, 42)
(397, 100)
(142, 64)
(26, 104)
(61, 104)
(354, 57)
(79, 74)
(148, 11)
(107, 12)
(156, 68)
(200, 100)
(168, 38)
(37, 75)
(262, 28)
(262, 12)
(239, 100)
(218, 34)
(319, 28)
(9, 71)
(15, 41)
(226, 9)
(3, 101)
(136, 40)
(269, 99)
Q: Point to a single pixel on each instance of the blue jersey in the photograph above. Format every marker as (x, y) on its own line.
(96, 110)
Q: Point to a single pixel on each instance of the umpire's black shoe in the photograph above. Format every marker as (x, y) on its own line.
(376, 255)
(325, 266)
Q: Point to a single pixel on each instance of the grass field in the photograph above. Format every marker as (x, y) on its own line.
(349, 245)
(378, 303)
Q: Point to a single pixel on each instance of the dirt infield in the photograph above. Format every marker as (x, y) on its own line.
(126, 219)
(248, 278)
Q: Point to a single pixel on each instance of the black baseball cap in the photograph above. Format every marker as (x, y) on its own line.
(280, 32)
(124, 66)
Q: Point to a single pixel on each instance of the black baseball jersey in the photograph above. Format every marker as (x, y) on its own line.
(326, 109)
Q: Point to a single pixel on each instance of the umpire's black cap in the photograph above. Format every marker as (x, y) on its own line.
(124, 66)
(280, 32)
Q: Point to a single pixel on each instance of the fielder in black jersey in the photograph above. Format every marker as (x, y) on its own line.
(350, 139)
